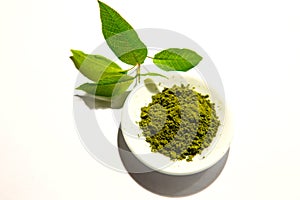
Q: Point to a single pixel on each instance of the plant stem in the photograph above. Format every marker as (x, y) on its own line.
(138, 73)
(150, 57)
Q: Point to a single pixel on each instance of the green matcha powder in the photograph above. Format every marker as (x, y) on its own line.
(179, 122)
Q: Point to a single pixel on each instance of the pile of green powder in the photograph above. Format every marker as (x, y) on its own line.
(179, 122)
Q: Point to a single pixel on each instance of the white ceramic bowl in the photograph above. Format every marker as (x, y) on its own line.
(140, 97)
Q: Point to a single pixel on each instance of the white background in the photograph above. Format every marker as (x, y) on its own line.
(254, 44)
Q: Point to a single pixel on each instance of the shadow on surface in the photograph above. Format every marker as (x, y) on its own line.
(168, 185)
(93, 102)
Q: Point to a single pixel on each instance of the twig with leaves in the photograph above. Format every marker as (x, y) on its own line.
(109, 79)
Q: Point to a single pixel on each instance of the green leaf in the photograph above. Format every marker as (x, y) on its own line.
(121, 37)
(94, 66)
(151, 86)
(175, 59)
(108, 86)
(153, 74)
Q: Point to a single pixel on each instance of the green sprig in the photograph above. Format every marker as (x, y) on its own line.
(109, 79)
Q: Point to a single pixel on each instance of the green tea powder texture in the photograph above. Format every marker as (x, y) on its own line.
(179, 122)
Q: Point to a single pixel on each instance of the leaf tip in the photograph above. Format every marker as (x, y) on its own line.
(73, 51)
(81, 87)
(78, 88)
(101, 4)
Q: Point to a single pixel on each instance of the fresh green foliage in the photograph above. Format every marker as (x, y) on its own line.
(94, 66)
(174, 59)
(109, 79)
(108, 86)
(179, 122)
(121, 37)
